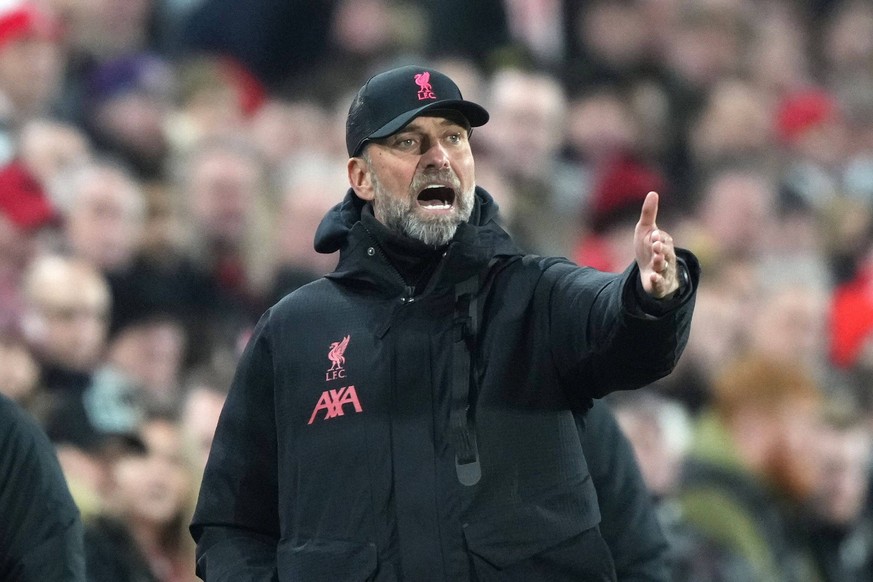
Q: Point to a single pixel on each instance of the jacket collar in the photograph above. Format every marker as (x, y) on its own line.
(474, 244)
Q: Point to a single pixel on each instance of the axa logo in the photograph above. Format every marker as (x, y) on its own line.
(425, 91)
(333, 401)
(337, 358)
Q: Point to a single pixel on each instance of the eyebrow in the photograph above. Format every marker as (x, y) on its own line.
(444, 123)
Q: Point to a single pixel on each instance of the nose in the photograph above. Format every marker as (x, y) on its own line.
(435, 156)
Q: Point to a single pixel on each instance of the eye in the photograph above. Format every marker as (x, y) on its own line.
(405, 143)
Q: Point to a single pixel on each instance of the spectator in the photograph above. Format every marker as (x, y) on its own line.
(841, 523)
(751, 467)
(150, 348)
(48, 147)
(26, 215)
(282, 44)
(658, 430)
(66, 322)
(811, 129)
(617, 189)
(789, 322)
(217, 97)
(141, 535)
(717, 335)
(204, 397)
(224, 189)
(284, 130)
(127, 102)
(523, 140)
(734, 213)
(306, 184)
(104, 211)
(32, 61)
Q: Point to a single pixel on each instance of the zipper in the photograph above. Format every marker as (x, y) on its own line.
(409, 291)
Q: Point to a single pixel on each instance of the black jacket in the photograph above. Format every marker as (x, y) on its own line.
(40, 527)
(629, 524)
(350, 423)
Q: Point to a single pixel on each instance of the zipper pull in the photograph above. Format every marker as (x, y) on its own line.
(410, 295)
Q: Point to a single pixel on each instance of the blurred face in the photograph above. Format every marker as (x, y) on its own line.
(791, 325)
(152, 354)
(420, 180)
(135, 121)
(844, 474)
(223, 187)
(153, 488)
(200, 417)
(106, 27)
(284, 129)
(106, 220)
(792, 464)
(737, 212)
(17, 246)
(659, 462)
(303, 208)
(527, 122)
(30, 72)
(616, 33)
(67, 318)
(47, 148)
(599, 125)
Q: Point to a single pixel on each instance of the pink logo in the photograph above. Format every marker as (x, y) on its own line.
(425, 91)
(338, 360)
(332, 402)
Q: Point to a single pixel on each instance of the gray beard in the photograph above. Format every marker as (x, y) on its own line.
(399, 214)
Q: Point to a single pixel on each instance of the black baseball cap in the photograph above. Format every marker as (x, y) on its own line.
(390, 100)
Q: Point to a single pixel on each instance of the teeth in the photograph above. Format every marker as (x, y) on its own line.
(436, 205)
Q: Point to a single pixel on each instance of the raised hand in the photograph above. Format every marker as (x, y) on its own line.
(654, 252)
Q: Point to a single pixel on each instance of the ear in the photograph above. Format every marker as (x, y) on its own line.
(359, 178)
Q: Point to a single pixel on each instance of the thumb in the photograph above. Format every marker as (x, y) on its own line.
(649, 212)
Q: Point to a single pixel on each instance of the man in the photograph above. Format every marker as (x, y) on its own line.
(411, 415)
(751, 469)
(41, 530)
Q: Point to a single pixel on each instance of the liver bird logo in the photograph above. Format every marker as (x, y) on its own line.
(335, 355)
(425, 91)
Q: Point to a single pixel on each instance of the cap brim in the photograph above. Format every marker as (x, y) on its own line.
(475, 114)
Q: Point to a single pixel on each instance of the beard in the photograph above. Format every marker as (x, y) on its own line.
(403, 214)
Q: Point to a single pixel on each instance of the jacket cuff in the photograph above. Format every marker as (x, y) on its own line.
(643, 304)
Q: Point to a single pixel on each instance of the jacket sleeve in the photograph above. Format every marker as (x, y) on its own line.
(629, 522)
(41, 534)
(602, 338)
(236, 521)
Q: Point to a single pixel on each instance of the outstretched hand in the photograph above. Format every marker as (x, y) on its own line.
(655, 254)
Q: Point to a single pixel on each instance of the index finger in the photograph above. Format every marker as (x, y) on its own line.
(650, 210)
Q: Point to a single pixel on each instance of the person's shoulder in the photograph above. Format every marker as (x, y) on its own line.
(15, 420)
(306, 299)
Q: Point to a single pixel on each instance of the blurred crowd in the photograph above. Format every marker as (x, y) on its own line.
(164, 165)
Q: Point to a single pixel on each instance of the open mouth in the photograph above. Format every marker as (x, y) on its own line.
(436, 197)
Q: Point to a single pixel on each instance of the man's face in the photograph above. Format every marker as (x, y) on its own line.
(421, 179)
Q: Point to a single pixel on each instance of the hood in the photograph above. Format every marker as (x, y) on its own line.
(474, 244)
